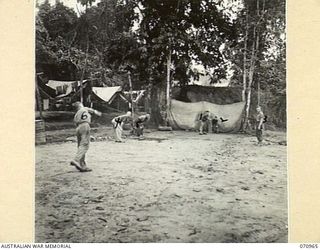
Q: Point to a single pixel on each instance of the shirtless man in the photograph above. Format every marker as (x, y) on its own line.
(139, 124)
(259, 125)
(204, 119)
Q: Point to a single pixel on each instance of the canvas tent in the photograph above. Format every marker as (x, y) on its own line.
(185, 115)
(190, 101)
(106, 98)
(106, 94)
(58, 95)
(65, 88)
(62, 87)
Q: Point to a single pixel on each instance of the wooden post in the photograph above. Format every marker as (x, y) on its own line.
(258, 93)
(83, 71)
(38, 97)
(81, 90)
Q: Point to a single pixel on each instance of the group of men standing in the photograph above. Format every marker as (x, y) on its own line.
(208, 121)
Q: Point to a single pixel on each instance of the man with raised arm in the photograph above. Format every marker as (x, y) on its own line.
(82, 119)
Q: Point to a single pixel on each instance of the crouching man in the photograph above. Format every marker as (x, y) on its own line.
(82, 119)
(118, 122)
(139, 124)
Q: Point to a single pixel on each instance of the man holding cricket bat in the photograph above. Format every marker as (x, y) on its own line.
(82, 119)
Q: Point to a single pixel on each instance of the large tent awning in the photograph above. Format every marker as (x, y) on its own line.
(185, 115)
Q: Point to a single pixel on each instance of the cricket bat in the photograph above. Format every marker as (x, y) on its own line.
(98, 113)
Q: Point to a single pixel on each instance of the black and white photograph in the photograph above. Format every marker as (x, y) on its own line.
(160, 121)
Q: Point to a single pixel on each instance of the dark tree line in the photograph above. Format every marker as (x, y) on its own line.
(147, 36)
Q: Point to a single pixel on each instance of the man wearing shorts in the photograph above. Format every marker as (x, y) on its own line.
(204, 119)
(259, 125)
(139, 124)
(215, 126)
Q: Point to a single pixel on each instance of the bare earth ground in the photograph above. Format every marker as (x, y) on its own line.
(172, 187)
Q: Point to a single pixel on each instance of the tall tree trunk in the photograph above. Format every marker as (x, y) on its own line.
(38, 97)
(150, 84)
(254, 53)
(131, 96)
(149, 89)
(85, 63)
(153, 101)
(245, 61)
(168, 101)
(250, 80)
(155, 105)
(83, 71)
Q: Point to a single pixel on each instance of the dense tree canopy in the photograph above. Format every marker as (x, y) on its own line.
(115, 36)
(192, 30)
(259, 58)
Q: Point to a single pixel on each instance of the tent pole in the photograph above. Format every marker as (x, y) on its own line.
(81, 92)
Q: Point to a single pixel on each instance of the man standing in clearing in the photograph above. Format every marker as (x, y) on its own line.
(204, 118)
(215, 126)
(82, 119)
(259, 125)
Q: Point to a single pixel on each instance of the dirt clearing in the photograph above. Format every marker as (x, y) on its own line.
(172, 187)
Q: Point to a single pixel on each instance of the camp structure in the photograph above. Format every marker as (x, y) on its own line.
(109, 99)
(63, 88)
(188, 102)
(59, 95)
